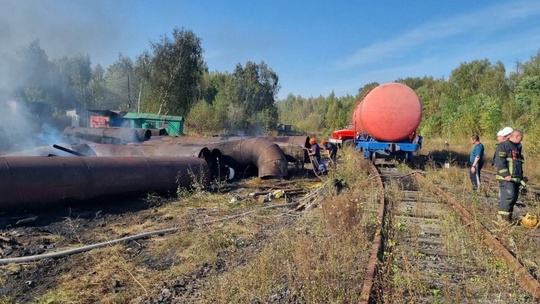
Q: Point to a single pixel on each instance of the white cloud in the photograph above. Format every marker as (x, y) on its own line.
(484, 21)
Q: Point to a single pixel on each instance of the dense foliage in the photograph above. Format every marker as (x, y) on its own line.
(478, 97)
(172, 78)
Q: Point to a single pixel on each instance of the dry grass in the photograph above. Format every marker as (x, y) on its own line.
(318, 260)
(318, 256)
(462, 149)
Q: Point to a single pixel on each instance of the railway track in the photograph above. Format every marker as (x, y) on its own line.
(420, 255)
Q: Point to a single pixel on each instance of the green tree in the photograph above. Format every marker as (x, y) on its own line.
(81, 73)
(63, 94)
(479, 76)
(532, 66)
(121, 85)
(332, 114)
(432, 94)
(98, 88)
(172, 73)
(255, 87)
(33, 69)
(491, 115)
(289, 109)
(210, 115)
(412, 82)
(527, 100)
(363, 91)
(201, 119)
(69, 80)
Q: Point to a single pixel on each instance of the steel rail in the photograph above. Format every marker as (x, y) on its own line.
(525, 279)
(376, 245)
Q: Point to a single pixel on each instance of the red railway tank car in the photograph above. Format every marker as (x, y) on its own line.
(390, 112)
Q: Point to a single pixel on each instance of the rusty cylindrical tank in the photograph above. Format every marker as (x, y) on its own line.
(239, 153)
(390, 112)
(164, 150)
(265, 155)
(294, 147)
(35, 182)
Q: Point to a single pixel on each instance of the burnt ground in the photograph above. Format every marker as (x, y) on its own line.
(31, 233)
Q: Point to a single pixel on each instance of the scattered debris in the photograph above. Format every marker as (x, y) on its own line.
(26, 220)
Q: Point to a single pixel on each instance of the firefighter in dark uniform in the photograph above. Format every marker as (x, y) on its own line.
(509, 164)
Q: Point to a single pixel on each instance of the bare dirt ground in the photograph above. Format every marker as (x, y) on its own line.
(70, 226)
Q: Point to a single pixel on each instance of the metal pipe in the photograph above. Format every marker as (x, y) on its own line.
(293, 147)
(259, 153)
(70, 151)
(107, 150)
(241, 153)
(109, 135)
(31, 182)
(265, 155)
(147, 150)
(159, 132)
(56, 150)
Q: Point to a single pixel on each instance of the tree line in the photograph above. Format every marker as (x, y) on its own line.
(171, 78)
(477, 98)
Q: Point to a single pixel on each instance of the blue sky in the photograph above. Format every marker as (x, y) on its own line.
(315, 47)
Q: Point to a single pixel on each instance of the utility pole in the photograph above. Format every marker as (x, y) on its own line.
(139, 99)
(129, 94)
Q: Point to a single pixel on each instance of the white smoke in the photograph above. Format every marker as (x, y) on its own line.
(16, 127)
(65, 27)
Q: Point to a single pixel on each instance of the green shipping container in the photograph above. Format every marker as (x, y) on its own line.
(173, 124)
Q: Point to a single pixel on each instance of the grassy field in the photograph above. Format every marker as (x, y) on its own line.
(270, 255)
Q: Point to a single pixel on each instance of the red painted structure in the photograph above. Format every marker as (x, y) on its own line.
(390, 112)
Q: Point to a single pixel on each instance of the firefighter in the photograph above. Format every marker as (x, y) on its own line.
(502, 135)
(509, 164)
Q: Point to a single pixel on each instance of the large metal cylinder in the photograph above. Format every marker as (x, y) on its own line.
(390, 112)
(357, 122)
(102, 150)
(112, 135)
(240, 153)
(265, 155)
(106, 150)
(294, 147)
(37, 182)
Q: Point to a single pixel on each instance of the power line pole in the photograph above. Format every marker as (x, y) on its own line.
(129, 94)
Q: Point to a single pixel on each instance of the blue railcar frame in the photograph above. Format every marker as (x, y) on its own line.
(372, 148)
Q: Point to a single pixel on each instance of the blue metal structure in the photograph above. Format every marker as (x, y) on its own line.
(372, 148)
